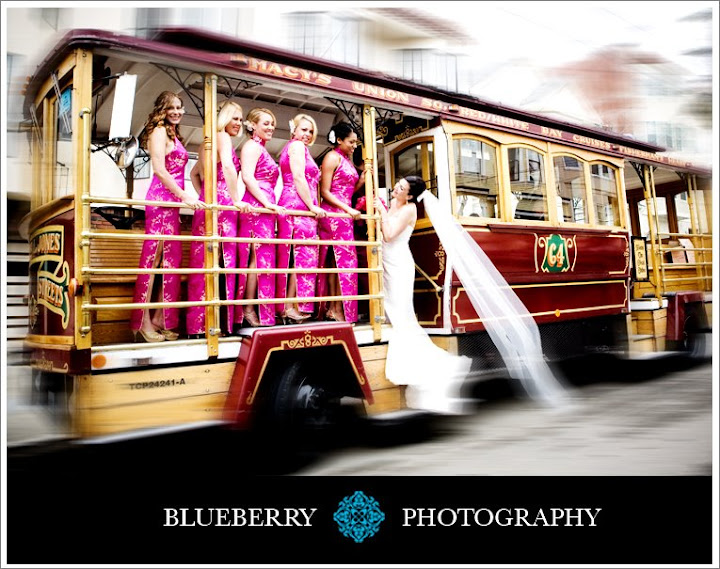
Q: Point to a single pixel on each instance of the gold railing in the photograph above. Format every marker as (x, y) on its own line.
(702, 262)
(88, 270)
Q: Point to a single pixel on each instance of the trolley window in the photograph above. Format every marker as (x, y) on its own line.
(63, 165)
(416, 159)
(605, 195)
(682, 213)
(476, 180)
(571, 189)
(527, 184)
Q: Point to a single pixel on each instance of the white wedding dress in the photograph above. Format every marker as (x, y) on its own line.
(508, 322)
(433, 376)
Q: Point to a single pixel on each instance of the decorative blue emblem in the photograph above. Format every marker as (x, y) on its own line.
(359, 516)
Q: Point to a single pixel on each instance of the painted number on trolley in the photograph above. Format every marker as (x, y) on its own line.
(555, 253)
(555, 256)
(158, 383)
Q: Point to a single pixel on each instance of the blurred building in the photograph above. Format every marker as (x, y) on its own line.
(399, 41)
(620, 88)
(402, 42)
(623, 89)
(646, 96)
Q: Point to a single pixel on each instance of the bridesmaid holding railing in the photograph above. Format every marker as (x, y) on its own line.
(300, 176)
(229, 125)
(339, 181)
(259, 174)
(161, 136)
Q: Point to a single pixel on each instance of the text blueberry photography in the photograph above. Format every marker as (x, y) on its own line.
(359, 516)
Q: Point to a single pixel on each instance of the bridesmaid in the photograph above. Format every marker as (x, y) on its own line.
(259, 174)
(300, 176)
(161, 136)
(229, 125)
(338, 183)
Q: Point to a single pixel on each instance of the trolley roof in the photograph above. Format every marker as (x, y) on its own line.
(204, 51)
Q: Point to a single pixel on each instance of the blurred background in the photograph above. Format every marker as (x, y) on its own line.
(635, 68)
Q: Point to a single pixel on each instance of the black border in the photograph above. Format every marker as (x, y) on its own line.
(114, 513)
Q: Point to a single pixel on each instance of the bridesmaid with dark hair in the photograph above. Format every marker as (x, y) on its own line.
(339, 181)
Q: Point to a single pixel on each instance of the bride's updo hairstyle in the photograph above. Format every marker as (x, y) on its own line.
(417, 185)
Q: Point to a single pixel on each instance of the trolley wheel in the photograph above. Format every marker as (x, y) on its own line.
(695, 342)
(302, 404)
(695, 345)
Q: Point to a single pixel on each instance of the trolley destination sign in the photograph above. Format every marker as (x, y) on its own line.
(448, 110)
(173, 44)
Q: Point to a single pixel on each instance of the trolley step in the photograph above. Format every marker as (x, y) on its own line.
(640, 356)
(400, 416)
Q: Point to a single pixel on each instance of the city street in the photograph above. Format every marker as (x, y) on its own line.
(646, 419)
(634, 433)
(628, 418)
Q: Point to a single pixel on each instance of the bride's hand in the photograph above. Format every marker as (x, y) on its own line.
(379, 205)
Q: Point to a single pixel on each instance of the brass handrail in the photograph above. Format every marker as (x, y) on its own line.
(133, 236)
(690, 235)
(696, 264)
(224, 271)
(676, 248)
(702, 277)
(677, 279)
(436, 286)
(246, 240)
(181, 205)
(241, 302)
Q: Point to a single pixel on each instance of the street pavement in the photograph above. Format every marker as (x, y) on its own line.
(641, 419)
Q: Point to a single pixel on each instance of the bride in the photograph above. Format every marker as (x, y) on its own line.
(433, 376)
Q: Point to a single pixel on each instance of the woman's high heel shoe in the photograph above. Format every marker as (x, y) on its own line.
(251, 318)
(330, 315)
(294, 315)
(150, 337)
(170, 335)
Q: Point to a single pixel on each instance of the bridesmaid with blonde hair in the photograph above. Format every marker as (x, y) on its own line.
(300, 176)
(259, 174)
(229, 125)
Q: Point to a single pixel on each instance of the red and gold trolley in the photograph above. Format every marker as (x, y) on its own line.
(571, 216)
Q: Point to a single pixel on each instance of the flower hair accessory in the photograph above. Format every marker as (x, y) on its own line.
(331, 137)
(291, 124)
(249, 126)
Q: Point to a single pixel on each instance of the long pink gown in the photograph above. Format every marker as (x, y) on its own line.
(297, 227)
(342, 187)
(227, 227)
(260, 225)
(165, 254)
